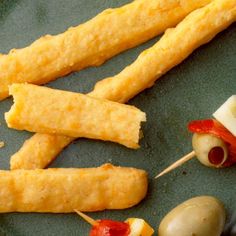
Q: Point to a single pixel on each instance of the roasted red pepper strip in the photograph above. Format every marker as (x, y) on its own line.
(110, 228)
(213, 127)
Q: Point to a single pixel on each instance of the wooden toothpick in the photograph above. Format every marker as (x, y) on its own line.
(88, 219)
(178, 163)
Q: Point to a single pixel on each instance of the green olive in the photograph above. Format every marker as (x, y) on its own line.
(210, 150)
(199, 216)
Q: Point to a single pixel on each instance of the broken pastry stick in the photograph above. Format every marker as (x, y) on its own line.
(176, 45)
(45, 110)
(63, 190)
(91, 43)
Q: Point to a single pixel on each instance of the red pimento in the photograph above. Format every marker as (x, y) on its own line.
(110, 228)
(213, 127)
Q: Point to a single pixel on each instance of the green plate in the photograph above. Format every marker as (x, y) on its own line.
(192, 90)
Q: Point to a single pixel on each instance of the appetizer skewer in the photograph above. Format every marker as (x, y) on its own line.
(213, 144)
(105, 227)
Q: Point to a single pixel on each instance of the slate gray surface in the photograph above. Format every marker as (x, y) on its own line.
(192, 90)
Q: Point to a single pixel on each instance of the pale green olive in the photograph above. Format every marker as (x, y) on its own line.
(205, 145)
(199, 216)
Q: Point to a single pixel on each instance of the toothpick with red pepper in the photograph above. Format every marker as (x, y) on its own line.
(213, 145)
(132, 226)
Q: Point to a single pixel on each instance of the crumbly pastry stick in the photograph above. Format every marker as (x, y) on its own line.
(63, 190)
(39, 151)
(93, 42)
(196, 29)
(50, 111)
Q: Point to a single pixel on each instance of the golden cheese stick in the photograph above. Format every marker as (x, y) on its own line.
(33, 154)
(93, 42)
(63, 190)
(45, 110)
(196, 29)
(39, 151)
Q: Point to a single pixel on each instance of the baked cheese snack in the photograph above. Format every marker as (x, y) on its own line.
(91, 43)
(196, 29)
(63, 190)
(39, 151)
(45, 110)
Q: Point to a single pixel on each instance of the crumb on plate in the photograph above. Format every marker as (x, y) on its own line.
(2, 144)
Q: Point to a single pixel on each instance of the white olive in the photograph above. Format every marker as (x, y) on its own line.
(210, 150)
(199, 216)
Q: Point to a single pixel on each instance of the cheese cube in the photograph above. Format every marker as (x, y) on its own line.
(139, 227)
(226, 114)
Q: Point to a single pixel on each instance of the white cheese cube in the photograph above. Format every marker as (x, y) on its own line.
(226, 114)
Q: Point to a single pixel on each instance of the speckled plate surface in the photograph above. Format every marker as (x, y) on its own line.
(192, 90)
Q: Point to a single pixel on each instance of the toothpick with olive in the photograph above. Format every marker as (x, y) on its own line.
(213, 145)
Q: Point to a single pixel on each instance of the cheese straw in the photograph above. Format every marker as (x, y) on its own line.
(198, 28)
(45, 110)
(63, 190)
(91, 43)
